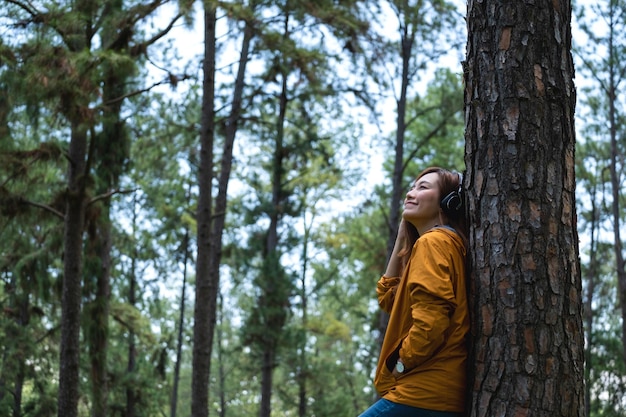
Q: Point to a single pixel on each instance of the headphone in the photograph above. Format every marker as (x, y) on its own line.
(453, 203)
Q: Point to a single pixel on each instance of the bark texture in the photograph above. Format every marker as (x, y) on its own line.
(527, 314)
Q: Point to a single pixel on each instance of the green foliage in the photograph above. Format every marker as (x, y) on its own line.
(435, 136)
(312, 296)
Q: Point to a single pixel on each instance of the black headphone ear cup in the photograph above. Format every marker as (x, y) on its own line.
(452, 203)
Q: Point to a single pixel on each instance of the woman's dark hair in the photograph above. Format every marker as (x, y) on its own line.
(449, 181)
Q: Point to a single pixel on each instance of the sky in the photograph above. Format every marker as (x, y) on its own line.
(189, 42)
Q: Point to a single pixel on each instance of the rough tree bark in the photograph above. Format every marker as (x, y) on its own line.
(527, 312)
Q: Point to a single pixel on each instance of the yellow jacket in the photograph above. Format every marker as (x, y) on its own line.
(428, 326)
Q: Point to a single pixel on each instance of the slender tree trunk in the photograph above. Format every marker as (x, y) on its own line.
(527, 314)
(98, 326)
(131, 363)
(273, 288)
(303, 366)
(73, 108)
(268, 363)
(616, 76)
(592, 276)
(220, 359)
(620, 262)
(5, 107)
(3, 381)
(206, 283)
(406, 47)
(23, 307)
(18, 390)
(398, 185)
(68, 393)
(181, 328)
(111, 152)
(211, 222)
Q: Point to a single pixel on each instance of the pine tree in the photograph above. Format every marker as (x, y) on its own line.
(527, 312)
(600, 46)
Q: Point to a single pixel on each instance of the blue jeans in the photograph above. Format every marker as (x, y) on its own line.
(386, 408)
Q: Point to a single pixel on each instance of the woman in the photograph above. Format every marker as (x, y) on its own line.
(422, 365)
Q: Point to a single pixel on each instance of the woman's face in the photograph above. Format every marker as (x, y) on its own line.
(421, 204)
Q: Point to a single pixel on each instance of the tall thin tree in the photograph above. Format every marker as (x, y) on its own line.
(206, 284)
(601, 56)
(211, 217)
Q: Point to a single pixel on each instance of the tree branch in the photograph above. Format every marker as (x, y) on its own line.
(426, 139)
(27, 7)
(138, 48)
(43, 206)
(109, 194)
(170, 80)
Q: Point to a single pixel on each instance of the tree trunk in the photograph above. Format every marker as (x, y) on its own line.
(397, 181)
(98, 325)
(23, 321)
(18, 389)
(268, 363)
(592, 277)
(273, 287)
(527, 311)
(302, 373)
(620, 262)
(220, 359)
(206, 284)
(211, 222)
(72, 274)
(131, 363)
(111, 154)
(181, 328)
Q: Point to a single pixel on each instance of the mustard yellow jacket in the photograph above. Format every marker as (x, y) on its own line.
(428, 326)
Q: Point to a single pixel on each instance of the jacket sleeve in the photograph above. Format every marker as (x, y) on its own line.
(432, 299)
(386, 292)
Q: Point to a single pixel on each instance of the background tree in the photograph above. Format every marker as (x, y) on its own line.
(604, 390)
(396, 62)
(337, 165)
(163, 210)
(297, 152)
(520, 99)
(599, 52)
(211, 215)
(207, 250)
(64, 41)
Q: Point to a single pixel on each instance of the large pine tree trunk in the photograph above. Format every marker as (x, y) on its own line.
(527, 315)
